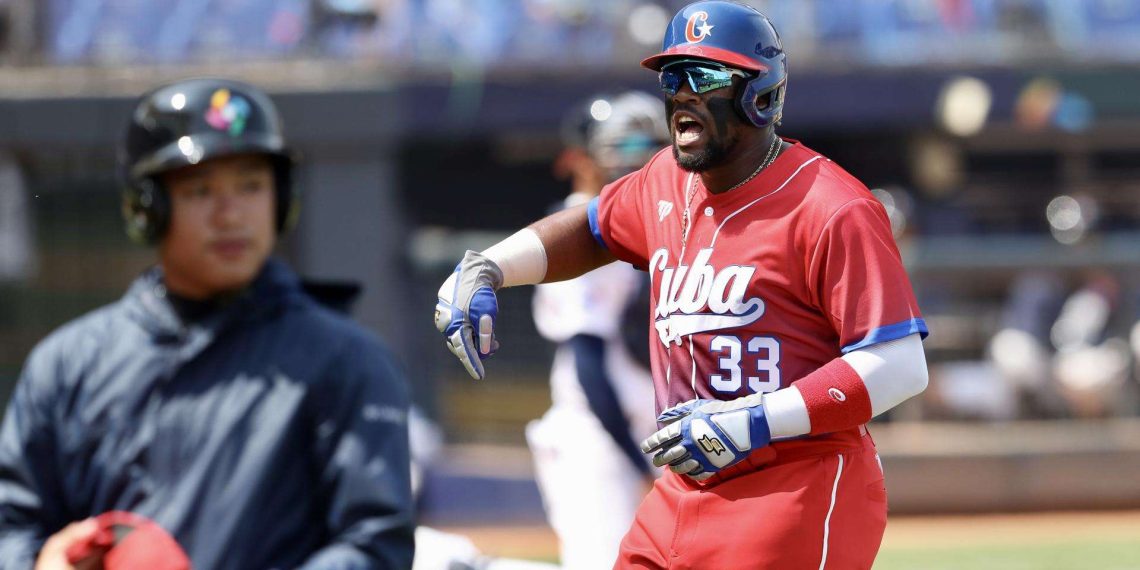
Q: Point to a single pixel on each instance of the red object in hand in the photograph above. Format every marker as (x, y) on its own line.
(127, 541)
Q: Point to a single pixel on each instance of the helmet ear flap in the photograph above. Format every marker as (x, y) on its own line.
(748, 103)
(146, 211)
(776, 101)
(288, 195)
(146, 205)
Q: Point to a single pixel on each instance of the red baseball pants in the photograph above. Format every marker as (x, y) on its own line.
(820, 512)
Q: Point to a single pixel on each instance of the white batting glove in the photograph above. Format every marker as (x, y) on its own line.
(704, 436)
(467, 304)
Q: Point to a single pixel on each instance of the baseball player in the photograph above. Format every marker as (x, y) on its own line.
(218, 398)
(783, 318)
(601, 396)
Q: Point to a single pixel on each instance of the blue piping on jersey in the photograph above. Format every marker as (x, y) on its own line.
(592, 214)
(889, 333)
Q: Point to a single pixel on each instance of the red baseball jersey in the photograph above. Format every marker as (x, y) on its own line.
(771, 280)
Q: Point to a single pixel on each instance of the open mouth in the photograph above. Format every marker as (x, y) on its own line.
(686, 129)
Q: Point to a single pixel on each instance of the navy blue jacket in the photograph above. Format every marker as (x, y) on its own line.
(272, 434)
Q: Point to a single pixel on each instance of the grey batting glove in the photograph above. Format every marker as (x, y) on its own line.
(466, 311)
(702, 437)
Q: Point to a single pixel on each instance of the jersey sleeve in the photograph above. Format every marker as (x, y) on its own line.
(859, 278)
(616, 219)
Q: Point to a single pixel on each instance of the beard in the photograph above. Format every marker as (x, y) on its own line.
(719, 144)
(713, 154)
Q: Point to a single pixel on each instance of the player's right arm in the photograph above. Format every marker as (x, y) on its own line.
(561, 246)
(568, 233)
(558, 247)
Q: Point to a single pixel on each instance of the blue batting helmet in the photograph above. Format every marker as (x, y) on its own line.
(737, 36)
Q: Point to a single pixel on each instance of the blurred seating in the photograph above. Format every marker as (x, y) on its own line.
(568, 33)
(141, 31)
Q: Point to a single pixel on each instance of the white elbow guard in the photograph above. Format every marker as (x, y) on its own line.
(521, 257)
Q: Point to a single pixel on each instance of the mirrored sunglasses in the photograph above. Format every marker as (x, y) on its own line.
(702, 76)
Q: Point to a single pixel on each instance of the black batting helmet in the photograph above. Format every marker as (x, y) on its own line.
(190, 121)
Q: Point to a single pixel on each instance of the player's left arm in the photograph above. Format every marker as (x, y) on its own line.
(704, 436)
(856, 276)
(850, 390)
(859, 280)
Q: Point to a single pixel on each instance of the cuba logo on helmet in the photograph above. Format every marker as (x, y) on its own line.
(691, 27)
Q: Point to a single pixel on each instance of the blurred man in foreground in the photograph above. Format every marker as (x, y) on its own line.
(216, 398)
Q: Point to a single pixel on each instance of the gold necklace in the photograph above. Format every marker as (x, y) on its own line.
(691, 191)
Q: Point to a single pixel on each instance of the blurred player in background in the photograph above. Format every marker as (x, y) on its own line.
(784, 318)
(1064, 350)
(216, 398)
(601, 397)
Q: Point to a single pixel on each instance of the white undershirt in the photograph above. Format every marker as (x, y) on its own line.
(893, 371)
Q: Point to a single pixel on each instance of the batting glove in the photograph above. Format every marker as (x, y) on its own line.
(467, 304)
(704, 436)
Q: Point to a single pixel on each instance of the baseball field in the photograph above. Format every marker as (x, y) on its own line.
(1054, 541)
(1046, 541)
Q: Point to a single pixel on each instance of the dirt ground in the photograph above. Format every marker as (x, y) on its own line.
(539, 543)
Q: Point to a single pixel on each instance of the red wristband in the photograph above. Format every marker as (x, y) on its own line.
(836, 397)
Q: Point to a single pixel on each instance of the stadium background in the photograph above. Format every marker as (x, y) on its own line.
(1003, 135)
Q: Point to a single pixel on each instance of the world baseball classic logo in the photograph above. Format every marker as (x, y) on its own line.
(228, 112)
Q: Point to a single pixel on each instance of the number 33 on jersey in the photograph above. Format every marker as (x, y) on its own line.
(683, 291)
